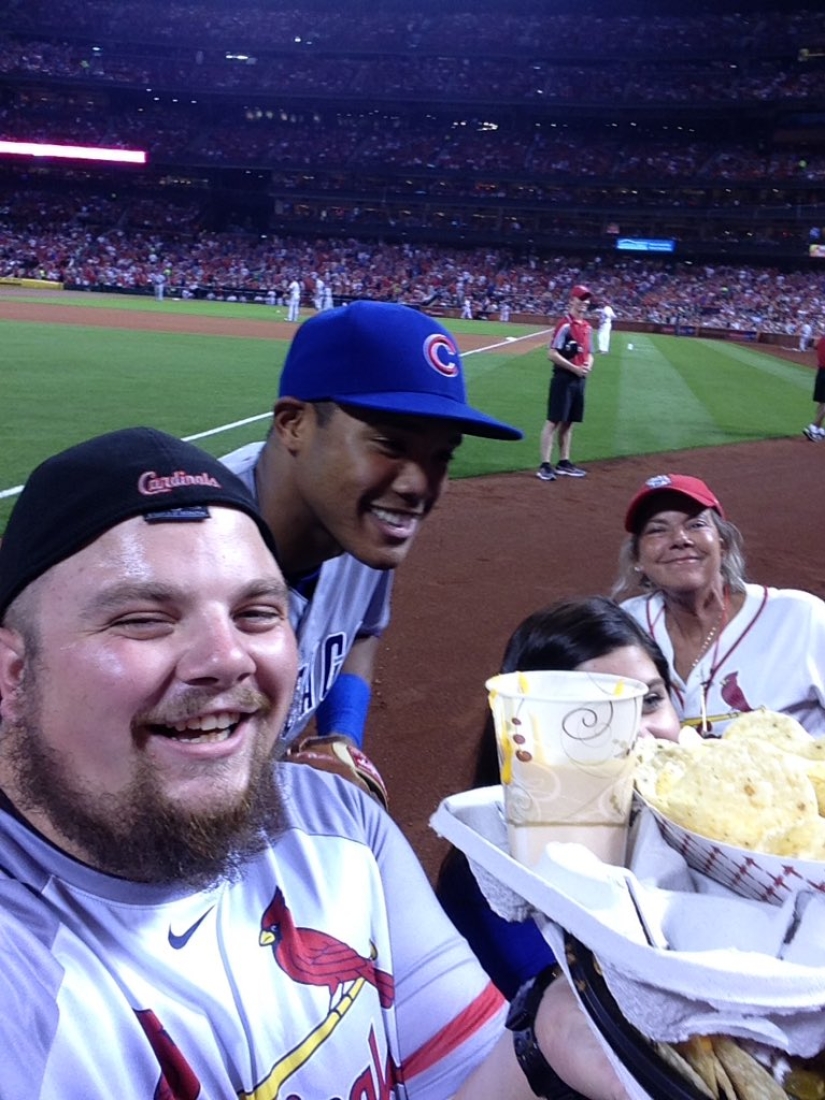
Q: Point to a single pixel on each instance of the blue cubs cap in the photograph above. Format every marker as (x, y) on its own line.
(387, 357)
(73, 497)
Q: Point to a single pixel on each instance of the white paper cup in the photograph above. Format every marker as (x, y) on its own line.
(565, 743)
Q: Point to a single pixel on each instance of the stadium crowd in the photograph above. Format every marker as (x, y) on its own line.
(246, 267)
(421, 125)
(384, 135)
(361, 140)
(542, 80)
(485, 26)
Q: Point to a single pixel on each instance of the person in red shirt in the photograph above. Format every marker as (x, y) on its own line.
(815, 431)
(572, 358)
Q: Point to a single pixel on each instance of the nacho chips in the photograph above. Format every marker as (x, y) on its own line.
(751, 1080)
(698, 1053)
(676, 1058)
(718, 1066)
(760, 787)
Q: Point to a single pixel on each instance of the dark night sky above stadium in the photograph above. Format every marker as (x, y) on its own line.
(535, 7)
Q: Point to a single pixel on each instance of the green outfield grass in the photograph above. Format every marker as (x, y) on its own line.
(62, 383)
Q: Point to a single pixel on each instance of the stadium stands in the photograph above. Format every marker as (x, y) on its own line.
(521, 143)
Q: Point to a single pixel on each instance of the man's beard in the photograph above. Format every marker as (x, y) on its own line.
(140, 834)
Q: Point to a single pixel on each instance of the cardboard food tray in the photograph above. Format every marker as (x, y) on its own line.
(591, 900)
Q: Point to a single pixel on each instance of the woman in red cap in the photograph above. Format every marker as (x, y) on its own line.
(732, 646)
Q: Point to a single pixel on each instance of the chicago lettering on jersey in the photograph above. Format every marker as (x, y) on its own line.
(315, 678)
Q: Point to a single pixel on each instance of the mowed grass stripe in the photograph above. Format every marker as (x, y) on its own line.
(752, 395)
(641, 404)
(251, 311)
(515, 392)
(791, 373)
(63, 383)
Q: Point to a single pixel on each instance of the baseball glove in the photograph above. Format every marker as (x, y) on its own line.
(570, 349)
(340, 755)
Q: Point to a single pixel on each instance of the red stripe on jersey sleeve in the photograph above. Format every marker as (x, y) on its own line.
(462, 1027)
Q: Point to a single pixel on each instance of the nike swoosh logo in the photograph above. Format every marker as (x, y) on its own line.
(177, 942)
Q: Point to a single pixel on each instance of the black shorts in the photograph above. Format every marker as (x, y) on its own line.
(819, 385)
(565, 401)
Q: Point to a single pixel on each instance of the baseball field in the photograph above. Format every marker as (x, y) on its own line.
(501, 543)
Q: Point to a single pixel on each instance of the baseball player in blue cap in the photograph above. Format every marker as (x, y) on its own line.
(371, 408)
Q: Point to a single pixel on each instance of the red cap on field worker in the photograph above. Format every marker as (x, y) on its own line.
(581, 291)
(386, 357)
(679, 484)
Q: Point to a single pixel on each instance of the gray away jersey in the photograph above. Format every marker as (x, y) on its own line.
(350, 600)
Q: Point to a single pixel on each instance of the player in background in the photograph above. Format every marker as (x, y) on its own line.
(318, 294)
(607, 315)
(572, 358)
(370, 411)
(815, 431)
(293, 298)
(159, 280)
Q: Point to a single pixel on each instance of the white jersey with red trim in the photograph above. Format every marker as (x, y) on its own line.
(771, 654)
(326, 969)
(349, 600)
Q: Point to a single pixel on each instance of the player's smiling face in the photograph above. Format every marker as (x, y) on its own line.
(373, 477)
(680, 548)
(156, 679)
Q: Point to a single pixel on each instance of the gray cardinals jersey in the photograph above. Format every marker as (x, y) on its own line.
(325, 967)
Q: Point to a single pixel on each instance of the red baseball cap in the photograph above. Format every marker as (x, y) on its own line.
(581, 291)
(691, 487)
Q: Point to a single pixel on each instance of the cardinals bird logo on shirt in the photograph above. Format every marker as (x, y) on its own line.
(732, 693)
(313, 957)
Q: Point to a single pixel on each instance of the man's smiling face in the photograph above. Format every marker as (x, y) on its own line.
(142, 701)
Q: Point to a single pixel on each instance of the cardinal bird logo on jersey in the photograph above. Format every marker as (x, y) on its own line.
(313, 957)
(733, 694)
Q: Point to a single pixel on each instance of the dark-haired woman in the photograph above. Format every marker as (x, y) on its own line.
(589, 635)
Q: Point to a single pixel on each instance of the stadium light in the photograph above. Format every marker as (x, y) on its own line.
(72, 152)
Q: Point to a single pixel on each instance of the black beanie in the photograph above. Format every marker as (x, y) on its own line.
(72, 498)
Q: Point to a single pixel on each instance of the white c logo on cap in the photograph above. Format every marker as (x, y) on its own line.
(442, 354)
